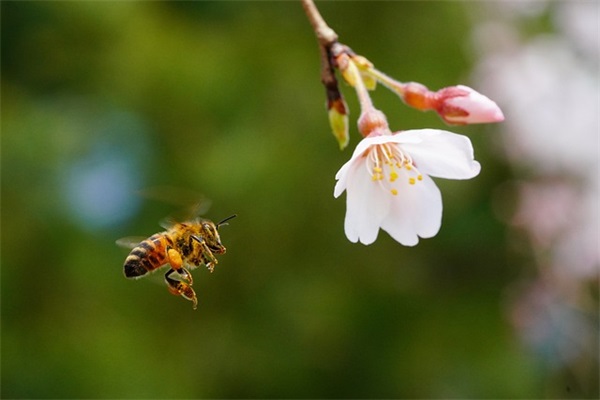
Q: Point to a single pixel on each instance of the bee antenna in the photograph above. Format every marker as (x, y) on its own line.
(224, 222)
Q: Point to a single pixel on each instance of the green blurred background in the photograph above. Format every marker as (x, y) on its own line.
(103, 99)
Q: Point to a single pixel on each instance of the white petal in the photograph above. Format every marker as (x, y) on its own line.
(399, 224)
(357, 159)
(367, 142)
(342, 178)
(415, 211)
(428, 218)
(367, 204)
(440, 153)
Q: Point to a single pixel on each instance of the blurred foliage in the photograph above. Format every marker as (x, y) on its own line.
(102, 99)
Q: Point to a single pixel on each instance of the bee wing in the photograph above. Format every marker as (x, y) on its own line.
(189, 200)
(130, 242)
(192, 212)
(190, 204)
(168, 223)
(199, 208)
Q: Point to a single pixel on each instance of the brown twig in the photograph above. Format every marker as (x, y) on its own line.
(327, 40)
(325, 34)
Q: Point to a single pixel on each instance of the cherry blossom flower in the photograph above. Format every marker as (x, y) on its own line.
(388, 185)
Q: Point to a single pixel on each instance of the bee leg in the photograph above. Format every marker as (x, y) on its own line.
(210, 257)
(179, 288)
(185, 274)
(211, 266)
(176, 262)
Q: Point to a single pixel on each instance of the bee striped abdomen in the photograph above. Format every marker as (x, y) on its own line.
(146, 256)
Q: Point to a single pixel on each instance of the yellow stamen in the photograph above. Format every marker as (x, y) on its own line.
(385, 163)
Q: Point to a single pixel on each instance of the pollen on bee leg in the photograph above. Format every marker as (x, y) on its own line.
(174, 258)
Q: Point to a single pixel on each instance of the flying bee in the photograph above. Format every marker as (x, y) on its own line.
(183, 246)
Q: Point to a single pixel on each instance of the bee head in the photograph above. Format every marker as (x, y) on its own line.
(209, 235)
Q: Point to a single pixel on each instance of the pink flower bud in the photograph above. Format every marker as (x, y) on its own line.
(459, 105)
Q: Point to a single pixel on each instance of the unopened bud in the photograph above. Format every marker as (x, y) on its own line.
(338, 121)
(459, 105)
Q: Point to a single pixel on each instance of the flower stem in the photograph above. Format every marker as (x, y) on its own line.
(366, 104)
(387, 81)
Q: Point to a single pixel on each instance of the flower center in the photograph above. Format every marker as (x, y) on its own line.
(385, 163)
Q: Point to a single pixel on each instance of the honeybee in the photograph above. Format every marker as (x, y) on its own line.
(183, 246)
